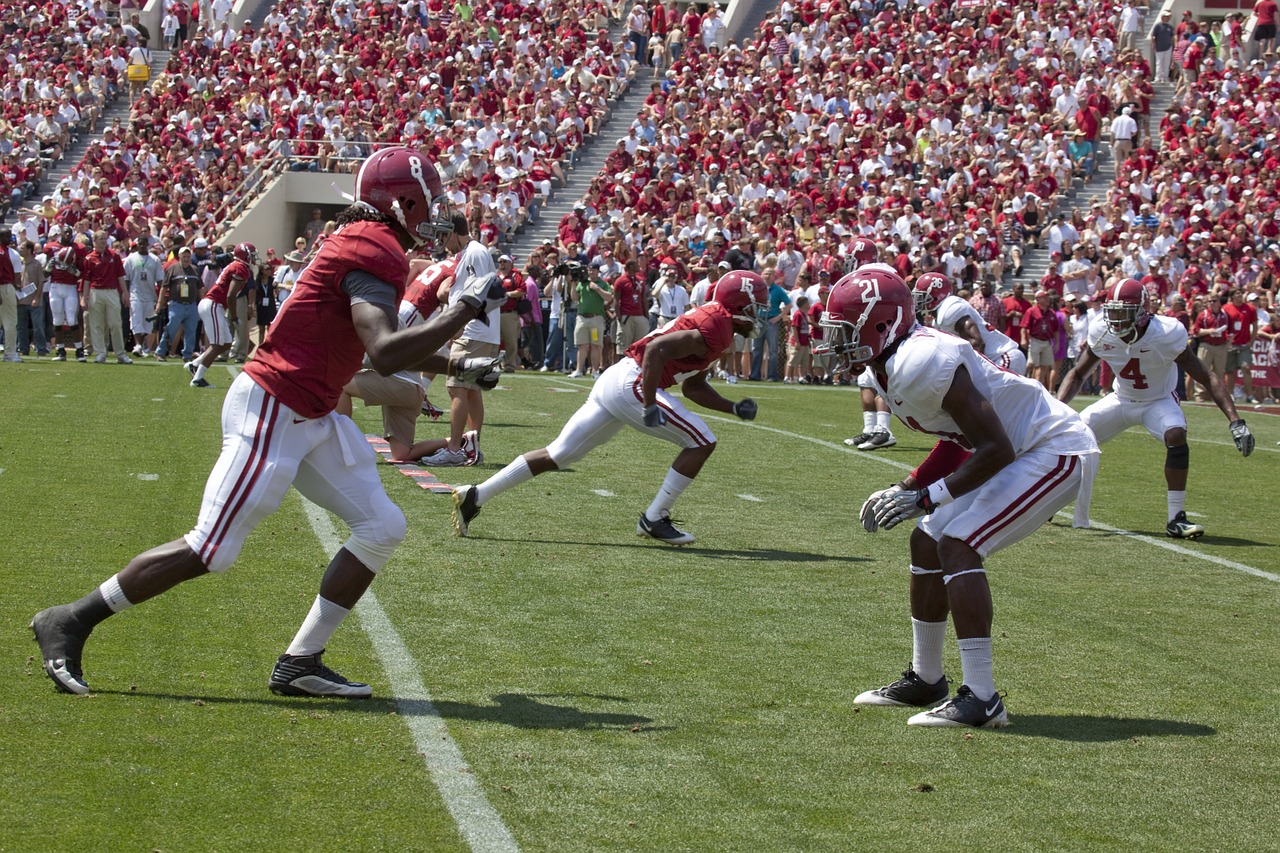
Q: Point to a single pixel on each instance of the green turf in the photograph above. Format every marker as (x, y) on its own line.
(611, 694)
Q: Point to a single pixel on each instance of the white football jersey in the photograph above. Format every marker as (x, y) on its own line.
(953, 309)
(1144, 369)
(476, 260)
(920, 374)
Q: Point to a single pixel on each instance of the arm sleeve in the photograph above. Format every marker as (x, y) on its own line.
(945, 458)
(360, 286)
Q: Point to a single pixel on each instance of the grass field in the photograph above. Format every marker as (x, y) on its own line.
(605, 693)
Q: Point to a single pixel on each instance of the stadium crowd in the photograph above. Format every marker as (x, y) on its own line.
(948, 137)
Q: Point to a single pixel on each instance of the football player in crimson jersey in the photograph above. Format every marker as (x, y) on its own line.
(633, 393)
(280, 428)
(218, 310)
(1142, 350)
(1010, 456)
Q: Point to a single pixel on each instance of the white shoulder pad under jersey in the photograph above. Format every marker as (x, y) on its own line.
(921, 372)
(953, 309)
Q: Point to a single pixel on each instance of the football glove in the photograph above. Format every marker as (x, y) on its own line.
(1242, 437)
(893, 509)
(867, 515)
(480, 371)
(654, 416)
(746, 409)
(483, 293)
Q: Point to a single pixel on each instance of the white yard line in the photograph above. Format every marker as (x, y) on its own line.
(477, 820)
(1150, 540)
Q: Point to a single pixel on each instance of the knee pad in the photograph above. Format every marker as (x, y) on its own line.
(916, 570)
(978, 570)
(1178, 457)
(374, 540)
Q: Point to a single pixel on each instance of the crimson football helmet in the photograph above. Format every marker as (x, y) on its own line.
(864, 251)
(1125, 308)
(745, 296)
(867, 312)
(403, 184)
(929, 291)
(246, 252)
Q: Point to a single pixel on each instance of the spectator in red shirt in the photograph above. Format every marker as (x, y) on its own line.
(1040, 327)
(1243, 319)
(629, 301)
(1210, 328)
(1015, 306)
(1264, 32)
(107, 291)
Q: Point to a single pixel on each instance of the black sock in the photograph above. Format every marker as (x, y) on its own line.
(91, 609)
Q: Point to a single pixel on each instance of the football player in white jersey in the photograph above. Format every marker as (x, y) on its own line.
(1143, 350)
(950, 313)
(1010, 456)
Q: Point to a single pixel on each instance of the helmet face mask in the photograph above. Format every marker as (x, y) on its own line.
(1125, 310)
(867, 312)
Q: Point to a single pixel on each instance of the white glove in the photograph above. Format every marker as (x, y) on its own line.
(654, 416)
(479, 371)
(892, 510)
(483, 293)
(1242, 437)
(867, 515)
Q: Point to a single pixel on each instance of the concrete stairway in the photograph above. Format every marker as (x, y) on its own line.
(1082, 195)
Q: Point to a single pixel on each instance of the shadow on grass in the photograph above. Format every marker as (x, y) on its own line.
(519, 710)
(525, 711)
(1087, 728)
(1207, 539)
(754, 554)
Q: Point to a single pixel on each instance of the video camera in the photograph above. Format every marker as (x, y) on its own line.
(573, 270)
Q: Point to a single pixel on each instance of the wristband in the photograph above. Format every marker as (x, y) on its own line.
(939, 494)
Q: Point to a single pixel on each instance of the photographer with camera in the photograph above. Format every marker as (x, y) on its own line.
(588, 334)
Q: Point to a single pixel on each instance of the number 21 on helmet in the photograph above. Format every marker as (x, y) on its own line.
(867, 312)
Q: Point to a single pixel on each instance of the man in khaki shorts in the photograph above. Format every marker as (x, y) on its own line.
(400, 396)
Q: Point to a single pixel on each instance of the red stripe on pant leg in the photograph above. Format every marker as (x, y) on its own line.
(224, 517)
(1018, 507)
(675, 419)
(248, 489)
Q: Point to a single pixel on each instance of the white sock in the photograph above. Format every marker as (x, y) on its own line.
(200, 371)
(882, 421)
(318, 627)
(516, 472)
(673, 485)
(926, 648)
(868, 421)
(1177, 502)
(113, 595)
(975, 662)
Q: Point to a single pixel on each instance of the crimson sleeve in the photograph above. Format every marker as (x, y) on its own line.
(945, 458)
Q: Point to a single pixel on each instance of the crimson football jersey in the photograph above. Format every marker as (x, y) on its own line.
(715, 325)
(235, 269)
(312, 349)
(423, 293)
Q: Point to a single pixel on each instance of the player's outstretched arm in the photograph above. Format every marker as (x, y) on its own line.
(1075, 376)
(1191, 363)
(391, 351)
(699, 390)
(1195, 368)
